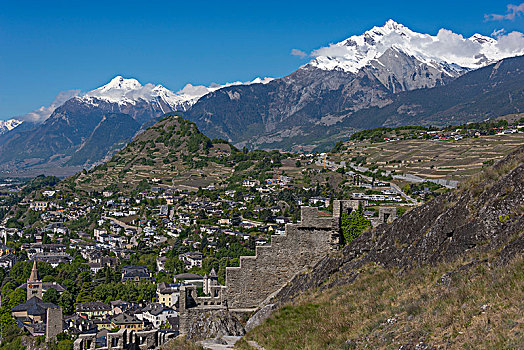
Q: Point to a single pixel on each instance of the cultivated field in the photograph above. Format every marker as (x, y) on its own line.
(449, 159)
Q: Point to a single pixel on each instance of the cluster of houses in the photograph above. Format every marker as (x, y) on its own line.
(44, 318)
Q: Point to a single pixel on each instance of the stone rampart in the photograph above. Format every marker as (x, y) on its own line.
(260, 276)
(303, 244)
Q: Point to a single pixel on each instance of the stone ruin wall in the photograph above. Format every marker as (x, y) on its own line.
(124, 339)
(303, 245)
(260, 276)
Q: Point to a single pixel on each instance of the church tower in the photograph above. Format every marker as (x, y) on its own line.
(34, 284)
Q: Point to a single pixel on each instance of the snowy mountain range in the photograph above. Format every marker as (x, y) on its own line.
(129, 91)
(359, 73)
(449, 52)
(342, 80)
(81, 129)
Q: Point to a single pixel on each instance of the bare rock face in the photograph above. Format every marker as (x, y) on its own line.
(400, 72)
(214, 324)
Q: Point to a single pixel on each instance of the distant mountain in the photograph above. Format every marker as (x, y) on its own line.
(447, 52)
(88, 128)
(299, 111)
(386, 76)
(69, 128)
(492, 91)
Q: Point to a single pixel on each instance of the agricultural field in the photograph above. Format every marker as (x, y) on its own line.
(433, 159)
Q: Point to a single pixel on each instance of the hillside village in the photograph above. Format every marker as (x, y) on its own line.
(117, 258)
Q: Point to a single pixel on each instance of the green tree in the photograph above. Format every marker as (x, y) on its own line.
(51, 296)
(353, 224)
(86, 293)
(16, 297)
(66, 302)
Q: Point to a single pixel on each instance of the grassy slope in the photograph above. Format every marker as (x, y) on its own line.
(480, 306)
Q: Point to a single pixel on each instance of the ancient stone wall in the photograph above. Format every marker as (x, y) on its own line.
(274, 265)
(124, 339)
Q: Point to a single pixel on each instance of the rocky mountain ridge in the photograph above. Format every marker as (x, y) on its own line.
(314, 107)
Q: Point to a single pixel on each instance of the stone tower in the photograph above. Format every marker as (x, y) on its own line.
(34, 284)
(54, 323)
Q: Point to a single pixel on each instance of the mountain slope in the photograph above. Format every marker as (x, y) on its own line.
(420, 282)
(114, 131)
(312, 107)
(478, 95)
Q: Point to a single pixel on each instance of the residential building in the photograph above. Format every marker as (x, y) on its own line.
(157, 314)
(92, 310)
(192, 259)
(127, 321)
(136, 273)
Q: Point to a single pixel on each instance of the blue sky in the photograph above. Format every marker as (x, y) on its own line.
(52, 46)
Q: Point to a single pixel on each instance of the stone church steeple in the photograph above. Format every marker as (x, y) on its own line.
(34, 284)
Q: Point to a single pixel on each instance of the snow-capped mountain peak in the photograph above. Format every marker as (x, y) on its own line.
(446, 49)
(8, 125)
(129, 91)
(120, 83)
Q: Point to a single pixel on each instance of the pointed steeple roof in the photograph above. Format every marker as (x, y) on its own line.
(34, 274)
(213, 273)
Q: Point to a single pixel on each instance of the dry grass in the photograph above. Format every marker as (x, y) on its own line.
(479, 307)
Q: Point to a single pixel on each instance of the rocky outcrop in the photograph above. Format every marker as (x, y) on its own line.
(260, 316)
(213, 324)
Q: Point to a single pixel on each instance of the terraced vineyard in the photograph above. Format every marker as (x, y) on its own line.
(448, 159)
